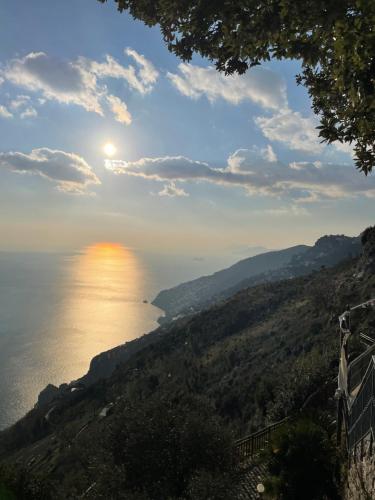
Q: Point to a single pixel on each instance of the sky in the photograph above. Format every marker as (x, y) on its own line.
(199, 163)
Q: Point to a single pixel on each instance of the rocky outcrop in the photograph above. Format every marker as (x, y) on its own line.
(47, 395)
(361, 473)
(101, 367)
(104, 364)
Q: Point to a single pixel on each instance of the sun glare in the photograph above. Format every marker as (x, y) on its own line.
(109, 149)
(106, 247)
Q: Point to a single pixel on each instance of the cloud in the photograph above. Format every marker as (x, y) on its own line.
(22, 105)
(29, 112)
(119, 109)
(172, 191)
(244, 160)
(79, 82)
(167, 168)
(141, 79)
(269, 154)
(344, 147)
(293, 130)
(68, 171)
(302, 182)
(297, 133)
(20, 101)
(64, 81)
(112, 69)
(289, 210)
(259, 85)
(4, 112)
(147, 73)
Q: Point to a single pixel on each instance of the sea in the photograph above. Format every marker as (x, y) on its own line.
(58, 310)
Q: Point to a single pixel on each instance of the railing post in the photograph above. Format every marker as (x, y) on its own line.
(339, 420)
(371, 437)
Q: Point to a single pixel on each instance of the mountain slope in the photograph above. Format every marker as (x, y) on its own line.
(253, 358)
(192, 295)
(328, 251)
(196, 295)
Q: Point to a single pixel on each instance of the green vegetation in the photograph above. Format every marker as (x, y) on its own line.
(198, 294)
(177, 403)
(302, 462)
(299, 260)
(18, 484)
(334, 40)
(156, 451)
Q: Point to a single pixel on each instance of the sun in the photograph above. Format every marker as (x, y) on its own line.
(109, 149)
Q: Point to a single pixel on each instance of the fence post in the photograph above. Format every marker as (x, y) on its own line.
(339, 420)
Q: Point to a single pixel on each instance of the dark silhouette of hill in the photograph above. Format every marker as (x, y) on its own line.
(198, 294)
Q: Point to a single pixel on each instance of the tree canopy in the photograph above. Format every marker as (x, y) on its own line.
(301, 463)
(168, 450)
(333, 39)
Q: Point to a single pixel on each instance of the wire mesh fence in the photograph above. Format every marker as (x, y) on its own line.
(362, 411)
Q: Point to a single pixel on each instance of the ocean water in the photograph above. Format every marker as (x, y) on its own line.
(57, 311)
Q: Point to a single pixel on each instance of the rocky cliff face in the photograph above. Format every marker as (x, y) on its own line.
(360, 483)
(101, 367)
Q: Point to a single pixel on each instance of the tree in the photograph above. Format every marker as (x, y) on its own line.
(19, 484)
(160, 449)
(333, 39)
(302, 463)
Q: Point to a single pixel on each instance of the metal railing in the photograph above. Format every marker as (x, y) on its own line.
(356, 384)
(250, 445)
(366, 339)
(362, 410)
(357, 368)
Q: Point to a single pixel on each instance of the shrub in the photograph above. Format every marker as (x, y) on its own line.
(302, 463)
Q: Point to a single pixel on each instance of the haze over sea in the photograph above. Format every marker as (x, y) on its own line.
(58, 310)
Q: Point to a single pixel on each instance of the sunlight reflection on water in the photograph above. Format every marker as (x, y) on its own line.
(71, 309)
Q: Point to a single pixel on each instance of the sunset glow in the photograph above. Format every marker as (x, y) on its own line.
(104, 309)
(106, 246)
(187, 249)
(109, 149)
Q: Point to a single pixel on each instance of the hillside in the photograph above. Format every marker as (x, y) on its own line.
(198, 294)
(327, 251)
(254, 358)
